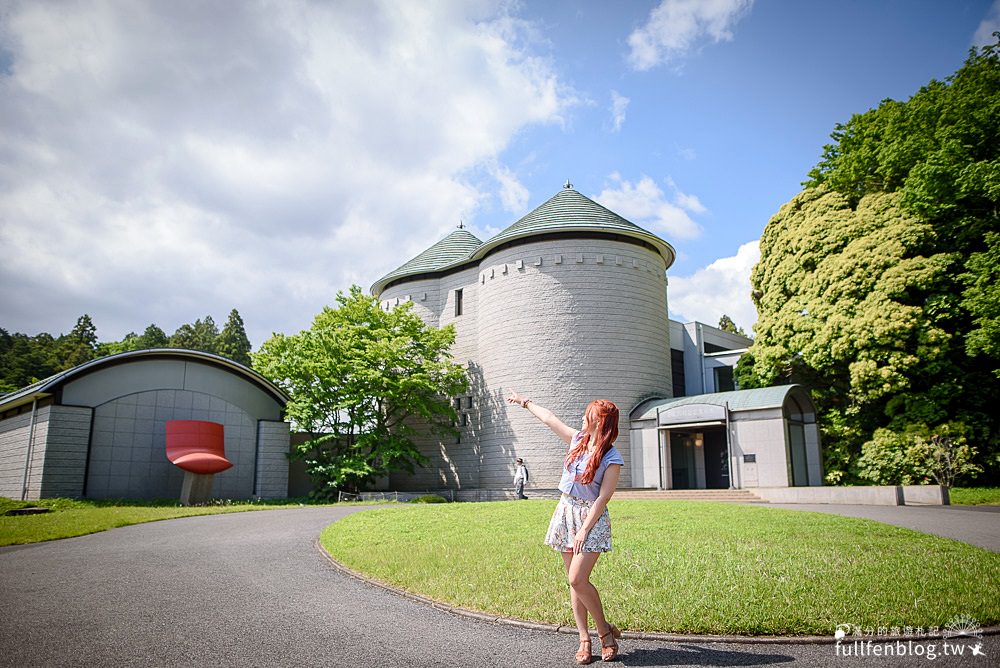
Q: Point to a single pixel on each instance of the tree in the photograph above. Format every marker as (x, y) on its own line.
(153, 337)
(982, 300)
(877, 284)
(80, 345)
(726, 324)
(201, 335)
(130, 342)
(363, 381)
(233, 342)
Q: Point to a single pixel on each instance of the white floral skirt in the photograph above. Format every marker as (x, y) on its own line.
(570, 514)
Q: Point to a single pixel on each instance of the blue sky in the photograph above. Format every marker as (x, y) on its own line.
(164, 161)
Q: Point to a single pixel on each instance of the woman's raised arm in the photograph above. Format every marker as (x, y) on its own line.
(558, 427)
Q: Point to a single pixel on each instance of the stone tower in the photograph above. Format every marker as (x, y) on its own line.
(566, 305)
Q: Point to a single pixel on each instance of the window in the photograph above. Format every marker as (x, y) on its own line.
(724, 379)
(458, 302)
(458, 404)
(677, 371)
(465, 419)
(469, 402)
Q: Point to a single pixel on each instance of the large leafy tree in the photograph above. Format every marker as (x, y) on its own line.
(363, 382)
(877, 285)
(233, 341)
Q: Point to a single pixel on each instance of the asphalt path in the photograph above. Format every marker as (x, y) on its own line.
(977, 525)
(251, 589)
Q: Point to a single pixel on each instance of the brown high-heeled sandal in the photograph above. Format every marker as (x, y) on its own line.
(584, 655)
(609, 651)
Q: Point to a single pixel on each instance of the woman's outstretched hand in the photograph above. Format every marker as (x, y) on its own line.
(515, 398)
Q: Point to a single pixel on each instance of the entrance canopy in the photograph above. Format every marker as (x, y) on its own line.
(711, 409)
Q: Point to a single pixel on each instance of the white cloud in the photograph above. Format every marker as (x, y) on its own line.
(721, 288)
(163, 161)
(619, 103)
(513, 195)
(989, 25)
(687, 153)
(645, 204)
(676, 27)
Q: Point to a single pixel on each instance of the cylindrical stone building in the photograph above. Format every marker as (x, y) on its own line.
(566, 305)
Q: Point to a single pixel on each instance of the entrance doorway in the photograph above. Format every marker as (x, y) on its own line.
(699, 458)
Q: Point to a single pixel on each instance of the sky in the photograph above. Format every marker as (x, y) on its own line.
(164, 161)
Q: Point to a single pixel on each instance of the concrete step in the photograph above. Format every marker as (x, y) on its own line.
(728, 495)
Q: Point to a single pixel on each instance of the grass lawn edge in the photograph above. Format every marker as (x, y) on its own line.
(327, 546)
(571, 630)
(181, 512)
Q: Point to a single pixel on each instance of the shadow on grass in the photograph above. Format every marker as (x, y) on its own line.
(696, 655)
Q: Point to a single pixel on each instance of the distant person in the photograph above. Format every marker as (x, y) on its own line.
(520, 478)
(580, 528)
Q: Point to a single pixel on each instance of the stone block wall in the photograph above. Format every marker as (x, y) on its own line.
(14, 433)
(272, 460)
(562, 321)
(67, 434)
(565, 322)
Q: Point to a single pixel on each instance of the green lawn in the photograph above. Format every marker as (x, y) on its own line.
(679, 566)
(70, 517)
(975, 496)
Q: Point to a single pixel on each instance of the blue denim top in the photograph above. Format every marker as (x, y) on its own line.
(570, 483)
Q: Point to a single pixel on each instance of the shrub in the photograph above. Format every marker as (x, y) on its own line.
(429, 498)
(918, 455)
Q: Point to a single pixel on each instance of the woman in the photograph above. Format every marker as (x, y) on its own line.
(581, 528)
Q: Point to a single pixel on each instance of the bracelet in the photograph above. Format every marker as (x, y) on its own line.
(524, 404)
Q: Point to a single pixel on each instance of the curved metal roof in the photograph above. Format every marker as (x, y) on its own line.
(453, 250)
(49, 385)
(738, 400)
(566, 211)
(569, 211)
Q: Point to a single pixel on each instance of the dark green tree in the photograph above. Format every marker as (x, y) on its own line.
(726, 324)
(25, 359)
(360, 380)
(153, 337)
(201, 335)
(130, 342)
(877, 285)
(80, 345)
(233, 342)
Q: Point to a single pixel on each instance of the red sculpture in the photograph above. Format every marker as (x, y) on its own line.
(197, 446)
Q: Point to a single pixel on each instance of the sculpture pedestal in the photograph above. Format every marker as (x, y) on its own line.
(197, 488)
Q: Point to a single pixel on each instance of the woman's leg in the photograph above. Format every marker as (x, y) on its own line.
(579, 610)
(583, 594)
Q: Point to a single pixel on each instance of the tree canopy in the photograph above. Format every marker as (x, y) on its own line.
(361, 380)
(25, 359)
(877, 285)
(726, 324)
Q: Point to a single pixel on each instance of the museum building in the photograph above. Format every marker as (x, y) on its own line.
(569, 304)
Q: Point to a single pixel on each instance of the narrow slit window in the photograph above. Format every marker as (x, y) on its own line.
(458, 302)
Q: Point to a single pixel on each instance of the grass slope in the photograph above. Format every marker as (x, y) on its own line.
(679, 566)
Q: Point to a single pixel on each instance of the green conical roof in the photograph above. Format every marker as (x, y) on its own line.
(569, 211)
(454, 249)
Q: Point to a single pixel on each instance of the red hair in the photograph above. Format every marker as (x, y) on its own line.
(602, 419)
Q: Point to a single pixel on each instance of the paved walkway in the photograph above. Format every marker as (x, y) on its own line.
(978, 525)
(250, 589)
